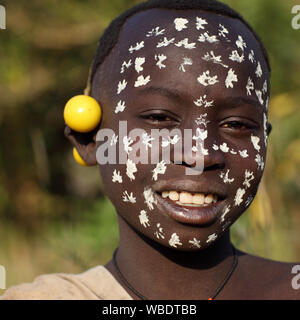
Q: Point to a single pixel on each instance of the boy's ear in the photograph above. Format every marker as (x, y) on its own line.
(85, 143)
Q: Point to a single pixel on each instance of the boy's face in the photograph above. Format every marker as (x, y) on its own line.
(185, 70)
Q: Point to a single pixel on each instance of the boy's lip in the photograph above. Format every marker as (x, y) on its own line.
(202, 215)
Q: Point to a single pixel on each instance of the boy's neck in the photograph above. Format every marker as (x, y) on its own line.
(158, 272)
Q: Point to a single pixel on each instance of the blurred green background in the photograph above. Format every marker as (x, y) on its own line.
(53, 215)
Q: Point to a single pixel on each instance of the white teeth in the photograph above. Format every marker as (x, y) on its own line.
(209, 199)
(165, 194)
(187, 198)
(198, 198)
(173, 195)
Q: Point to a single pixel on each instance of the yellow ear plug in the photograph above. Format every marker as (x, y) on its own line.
(78, 158)
(82, 113)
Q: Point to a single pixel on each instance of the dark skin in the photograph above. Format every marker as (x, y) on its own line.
(148, 263)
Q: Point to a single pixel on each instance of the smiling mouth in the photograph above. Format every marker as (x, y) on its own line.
(185, 211)
(184, 198)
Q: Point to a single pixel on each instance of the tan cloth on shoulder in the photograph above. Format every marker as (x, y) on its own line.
(94, 284)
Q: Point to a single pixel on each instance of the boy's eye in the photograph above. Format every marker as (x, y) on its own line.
(238, 125)
(157, 118)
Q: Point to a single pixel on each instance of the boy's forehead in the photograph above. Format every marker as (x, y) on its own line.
(155, 23)
(206, 49)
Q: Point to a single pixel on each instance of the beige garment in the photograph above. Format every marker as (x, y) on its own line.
(94, 284)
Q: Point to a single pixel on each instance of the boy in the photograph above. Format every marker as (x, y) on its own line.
(196, 70)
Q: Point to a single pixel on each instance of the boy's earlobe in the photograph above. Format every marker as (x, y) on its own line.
(85, 144)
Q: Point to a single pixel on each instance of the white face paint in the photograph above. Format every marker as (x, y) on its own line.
(117, 177)
(251, 56)
(248, 201)
(130, 169)
(260, 162)
(205, 37)
(121, 86)
(185, 43)
(202, 101)
(128, 197)
(159, 233)
(146, 140)
(258, 71)
(223, 32)
(155, 32)
(201, 134)
(240, 43)
(114, 140)
(144, 219)
(249, 86)
(200, 23)
(215, 147)
(249, 176)
(186, 62)
(149, 198)
(137, 47)
(159, 169)
(195, 243)
(160, 58)
(255, 141)
(127, 141)
(225, 212)
(202, 120)
(231, 77)
(224, 148)
(233, 151)
(180, 24)
(125, 65)
(165, 42)
(167, 141)
(206, 80)
(142, 81)
(244, 154)
(259, 97)
(235, 56)
(210, 56)
(211, 238)
(174, 241)
(239, 196)
(225, 177)
(120, 107)
(138, 64)
(265, 129)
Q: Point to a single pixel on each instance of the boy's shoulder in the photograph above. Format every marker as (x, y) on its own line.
(269, 279)
(94, 284)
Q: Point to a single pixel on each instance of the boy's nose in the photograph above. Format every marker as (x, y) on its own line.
(208, 160)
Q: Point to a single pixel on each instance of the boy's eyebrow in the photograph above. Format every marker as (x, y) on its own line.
(176, 95)
(235, 102)
(169, 93)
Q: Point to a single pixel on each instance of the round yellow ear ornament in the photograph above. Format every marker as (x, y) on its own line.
(82, 113)
(78, 158)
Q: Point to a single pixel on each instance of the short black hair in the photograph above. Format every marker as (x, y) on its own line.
(111, 35)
